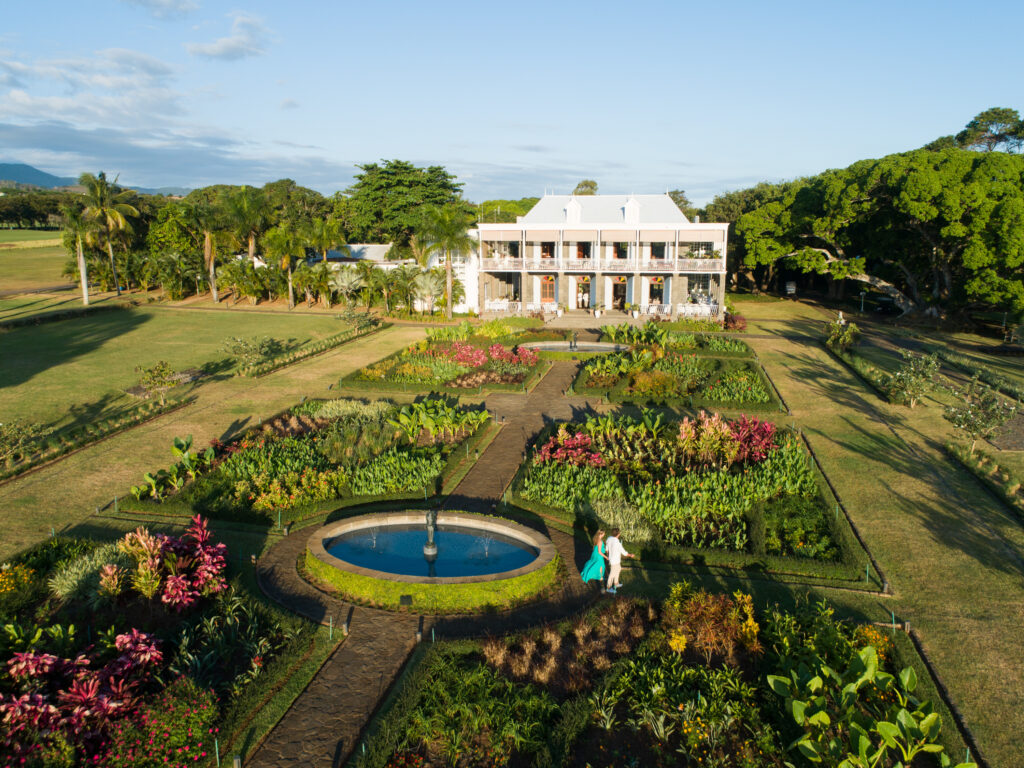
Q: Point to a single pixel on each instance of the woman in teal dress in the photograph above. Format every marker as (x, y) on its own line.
(594, 570)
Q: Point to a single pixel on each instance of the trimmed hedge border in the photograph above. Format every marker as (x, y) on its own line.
(986, 375)
(138, 415)
(64, 314)
(1002, 490)
(430, 599)
(863, 370)
(308, 351)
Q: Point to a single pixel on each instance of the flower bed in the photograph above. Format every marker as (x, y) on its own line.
(676, 336)
(703, 679)
(126, 653)
(453, 365)
(677, 369)
(317, 453)
(696, 483)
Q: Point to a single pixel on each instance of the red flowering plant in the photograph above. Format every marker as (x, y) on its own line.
(756, 438)
(180, 569)
(66, 701)
(566, 447)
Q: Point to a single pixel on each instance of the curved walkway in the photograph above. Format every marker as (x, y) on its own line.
(324, 724)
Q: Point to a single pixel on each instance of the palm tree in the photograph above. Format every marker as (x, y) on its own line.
(347, 282)
(248, 214)
(284, 244)
(381, 280)
(78, 227)
(429, 285)
(204, 219)
(447, 228)
(403, 282)
(422, 250)
(324, 234)
(105, 205)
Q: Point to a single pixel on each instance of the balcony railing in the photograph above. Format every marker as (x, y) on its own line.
(697, 310)
(508, 264)
(502, 264)
(700, 265)
(502, 305)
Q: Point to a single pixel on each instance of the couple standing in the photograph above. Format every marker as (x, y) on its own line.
(611, 551)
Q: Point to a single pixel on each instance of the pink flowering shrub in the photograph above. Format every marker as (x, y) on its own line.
(180, 569)
(175, 730)
(519, 356)
(67, 701)
(756, 438)
(568, 448)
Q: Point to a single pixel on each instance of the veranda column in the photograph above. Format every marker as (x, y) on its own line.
(679, 288)
(563, 291)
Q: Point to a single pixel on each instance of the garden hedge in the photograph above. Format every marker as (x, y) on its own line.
(434, 598)
(309, 350)
(353, 382)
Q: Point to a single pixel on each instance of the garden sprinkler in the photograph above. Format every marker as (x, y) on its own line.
(330, 629)
(216, 750)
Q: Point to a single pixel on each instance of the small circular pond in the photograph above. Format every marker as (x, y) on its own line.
(399, 549)
(444, 548)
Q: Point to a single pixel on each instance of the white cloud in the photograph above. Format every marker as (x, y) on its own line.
(247, 38)
(289, 104)
(114, 86)
(165, 8)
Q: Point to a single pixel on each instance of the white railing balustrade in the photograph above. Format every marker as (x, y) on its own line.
(502, 264)
(578, 264)
(658, 265)
(700, 265)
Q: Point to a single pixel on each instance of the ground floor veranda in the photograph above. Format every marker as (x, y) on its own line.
(687, 295)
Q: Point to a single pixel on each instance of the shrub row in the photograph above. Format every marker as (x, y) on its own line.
(985, 374)
(309, 350)
(64, 314)
(65, 441)
(1003, 482)
(867, 372)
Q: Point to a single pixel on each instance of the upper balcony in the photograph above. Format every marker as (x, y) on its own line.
(508, 264)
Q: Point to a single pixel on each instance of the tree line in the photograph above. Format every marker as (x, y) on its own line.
(119, 238)
(938, 229)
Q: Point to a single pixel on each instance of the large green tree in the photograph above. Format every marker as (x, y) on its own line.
(937, 230)
(586, 187)
(448, 228)
(325, 233)
(387, 200)
(995, 128)
(107, 206)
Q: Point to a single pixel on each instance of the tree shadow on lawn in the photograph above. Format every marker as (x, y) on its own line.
(31, 350)
(823, 378)
(965, 531)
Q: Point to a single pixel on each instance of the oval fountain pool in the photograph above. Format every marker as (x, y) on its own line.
(460, 551)
(446, 548)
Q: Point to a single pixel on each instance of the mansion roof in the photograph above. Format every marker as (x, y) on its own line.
(604, 210)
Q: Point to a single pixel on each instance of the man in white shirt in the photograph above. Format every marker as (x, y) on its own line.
(615, 554)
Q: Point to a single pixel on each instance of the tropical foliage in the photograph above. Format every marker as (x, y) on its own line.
(316, 452)
(696, 482)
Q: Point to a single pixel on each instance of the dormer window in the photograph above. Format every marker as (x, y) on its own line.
(573, 211)
(631, 211)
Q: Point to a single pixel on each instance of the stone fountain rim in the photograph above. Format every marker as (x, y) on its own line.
(545, 547)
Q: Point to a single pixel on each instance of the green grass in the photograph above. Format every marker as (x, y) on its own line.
(88, 362)
(433, 598)
(26, 269)
(28, 235)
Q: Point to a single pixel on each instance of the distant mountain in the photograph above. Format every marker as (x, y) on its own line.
(26, 174)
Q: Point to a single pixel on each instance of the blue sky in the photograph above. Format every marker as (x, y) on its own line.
(514, 98)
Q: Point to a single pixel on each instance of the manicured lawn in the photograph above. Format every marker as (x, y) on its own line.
(87, 362)
(950, 550)
(28, 235)
(25, 269)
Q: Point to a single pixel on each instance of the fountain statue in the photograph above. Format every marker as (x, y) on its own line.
(430, 548)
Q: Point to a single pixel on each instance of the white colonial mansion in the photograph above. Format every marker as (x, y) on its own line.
(601, 252)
